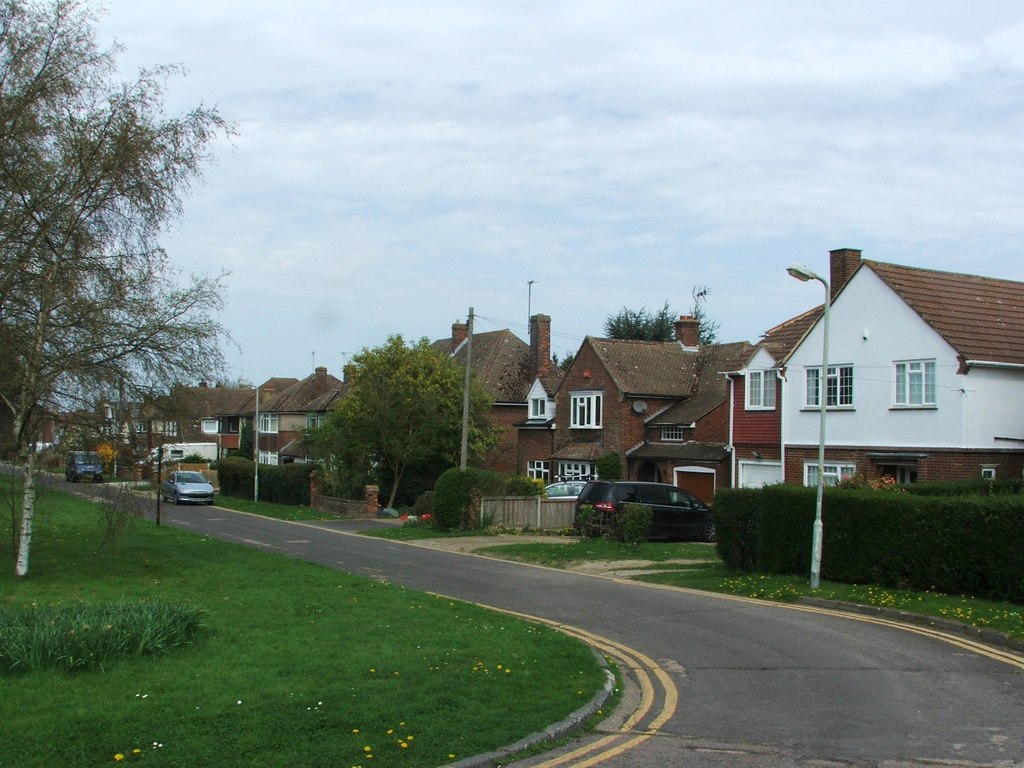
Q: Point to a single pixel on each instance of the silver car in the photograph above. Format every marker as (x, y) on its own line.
(181, 487)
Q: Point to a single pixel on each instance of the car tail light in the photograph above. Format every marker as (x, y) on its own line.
(604, 506)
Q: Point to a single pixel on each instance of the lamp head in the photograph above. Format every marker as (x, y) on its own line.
(801, 273)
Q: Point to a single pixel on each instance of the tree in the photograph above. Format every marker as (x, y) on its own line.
(401, 416)
(643, 325)
(91, 173)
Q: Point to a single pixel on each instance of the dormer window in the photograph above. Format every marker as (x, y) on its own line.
(538, 408)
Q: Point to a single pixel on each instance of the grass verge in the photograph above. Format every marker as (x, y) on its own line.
(697, 566)
(295, 664)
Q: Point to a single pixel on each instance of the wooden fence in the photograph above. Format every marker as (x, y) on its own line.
(527, 512)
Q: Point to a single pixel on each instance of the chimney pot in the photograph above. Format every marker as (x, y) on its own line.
(687, 330)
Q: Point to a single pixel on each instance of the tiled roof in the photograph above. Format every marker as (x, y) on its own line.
(223, 401)
(783, 338)
(710, 388)
(579, 452)
(501, 363)
(982, 318)
(647, 368)
(297, 397)
(688, 451)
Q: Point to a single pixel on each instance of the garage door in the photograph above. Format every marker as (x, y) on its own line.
(754, 474)
(700, 484)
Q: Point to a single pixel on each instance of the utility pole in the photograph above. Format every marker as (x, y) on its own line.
(464, 455)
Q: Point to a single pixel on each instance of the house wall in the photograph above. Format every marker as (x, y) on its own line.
(504, 456)
(934, 464)
(871, 328)
(534, 445)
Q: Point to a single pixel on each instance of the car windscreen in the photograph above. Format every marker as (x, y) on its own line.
(190, 477)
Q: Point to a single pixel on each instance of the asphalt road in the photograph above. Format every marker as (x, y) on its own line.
(736, 682)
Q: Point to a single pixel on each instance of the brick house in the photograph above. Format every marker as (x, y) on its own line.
(662, 406)
(285, 414)
(507, 369)
(925, 378)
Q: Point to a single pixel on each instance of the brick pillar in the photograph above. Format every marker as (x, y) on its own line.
(372, 500)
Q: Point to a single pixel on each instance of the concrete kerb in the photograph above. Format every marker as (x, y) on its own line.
(951, 626)
(565, 727)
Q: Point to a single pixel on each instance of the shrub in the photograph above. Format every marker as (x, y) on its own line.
(521, 485)
(585, 521)
(424, 504)
(452, 494)
(738, 514)
(634, 521)
(609, 466)
(284, 484)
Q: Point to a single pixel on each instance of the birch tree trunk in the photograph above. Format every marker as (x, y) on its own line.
(28, 507)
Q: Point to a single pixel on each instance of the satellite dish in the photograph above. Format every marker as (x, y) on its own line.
(639, 406)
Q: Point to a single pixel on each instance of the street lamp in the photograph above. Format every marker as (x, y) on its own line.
(804, 274)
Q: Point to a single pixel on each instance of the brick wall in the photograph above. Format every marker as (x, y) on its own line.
(939, 464)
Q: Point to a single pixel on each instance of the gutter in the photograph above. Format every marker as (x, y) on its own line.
(993, 364)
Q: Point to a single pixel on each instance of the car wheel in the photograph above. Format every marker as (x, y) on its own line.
(177, 498)
(709, 531)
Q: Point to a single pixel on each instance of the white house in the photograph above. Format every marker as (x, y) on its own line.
(925, 379)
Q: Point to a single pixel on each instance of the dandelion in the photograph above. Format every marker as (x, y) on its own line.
(118, 757)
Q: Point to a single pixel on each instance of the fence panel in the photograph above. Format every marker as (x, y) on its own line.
(527, 512)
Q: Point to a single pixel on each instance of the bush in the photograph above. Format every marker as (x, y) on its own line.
(283, 484)
(521, 485)
(452, 494)
(424, 504)
(633, 522)
(737, 516)
(609, 466)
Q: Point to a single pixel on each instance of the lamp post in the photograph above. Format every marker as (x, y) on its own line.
(804, 274)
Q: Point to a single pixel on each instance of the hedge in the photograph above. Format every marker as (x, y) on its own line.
(282, 484)
(949, 543)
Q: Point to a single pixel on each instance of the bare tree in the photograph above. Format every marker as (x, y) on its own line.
(91, 173)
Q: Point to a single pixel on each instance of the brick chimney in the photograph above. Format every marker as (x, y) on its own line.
(687, 330)
(540, 346)
(460, 332)
(843, 262)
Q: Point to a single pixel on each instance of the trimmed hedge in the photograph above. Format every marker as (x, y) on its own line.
(952, 543)
(282, 484)
(452, 493)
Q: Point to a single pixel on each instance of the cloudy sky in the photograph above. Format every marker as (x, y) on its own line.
(399, 162)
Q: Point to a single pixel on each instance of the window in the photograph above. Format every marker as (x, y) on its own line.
(586, 410)
(315, 420)
(674, 432)
(210, 426)
(568, 470)
(268, 457)
(988, 471)
(915, 383)
(838, 387)
(760, 390)
(833, 473)
(167, 428)
(229, 425)
(139, 425)
(268, 423)
(538, 470)
(538, 408)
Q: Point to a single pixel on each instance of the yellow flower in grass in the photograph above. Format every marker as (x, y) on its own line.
(118, 757)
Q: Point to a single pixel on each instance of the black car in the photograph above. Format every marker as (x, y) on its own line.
(677, 514)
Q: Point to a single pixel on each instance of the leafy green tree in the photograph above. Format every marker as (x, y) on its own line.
(641, 324)
(644, 325)
(91, 173)
(401, 418)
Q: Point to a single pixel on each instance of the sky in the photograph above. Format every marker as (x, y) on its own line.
(396, 163)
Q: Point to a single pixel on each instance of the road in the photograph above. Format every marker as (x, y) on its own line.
(718, 681)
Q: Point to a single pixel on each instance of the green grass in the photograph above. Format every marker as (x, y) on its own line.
(701, 568)
(269, 509)
(294, 665)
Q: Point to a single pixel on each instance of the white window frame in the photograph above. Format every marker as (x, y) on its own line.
(573, 470)
(268, 457)
(269, 424)
(911, 375)
(139, 426)
(988, 471)
(760, 386)
(838, 387)
(538, 408)
(585, 410)
(207, 423)
(834, 472)
(538, 470)
(673, 433)
(315, 419)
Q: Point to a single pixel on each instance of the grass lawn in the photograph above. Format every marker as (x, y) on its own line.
(295, 665)
(697, 566)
